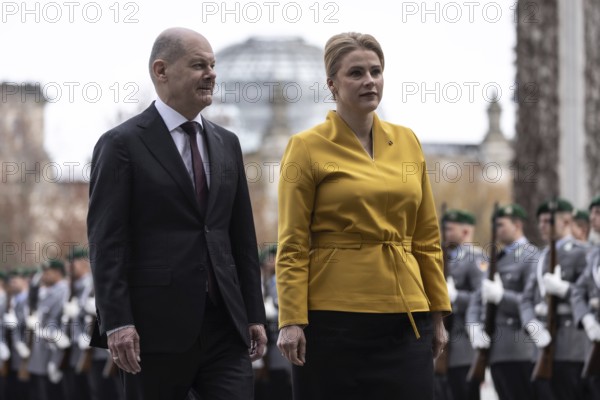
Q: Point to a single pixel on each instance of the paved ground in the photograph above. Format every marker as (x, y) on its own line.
(487, 388)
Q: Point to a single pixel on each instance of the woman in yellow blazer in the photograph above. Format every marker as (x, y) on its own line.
(359, 267)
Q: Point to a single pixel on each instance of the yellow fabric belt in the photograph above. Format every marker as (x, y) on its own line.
(346, 240)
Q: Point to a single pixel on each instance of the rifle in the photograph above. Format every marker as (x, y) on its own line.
(440, 364)
(482, 356)
(110, 368)
(9, 338)
(32, 300)
(592, 362)
(545, 361)
(84, 362)
(66, 320)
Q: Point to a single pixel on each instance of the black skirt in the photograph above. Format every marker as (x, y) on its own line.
(367, 356)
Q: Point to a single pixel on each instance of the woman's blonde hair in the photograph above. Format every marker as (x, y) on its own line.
(343, 43)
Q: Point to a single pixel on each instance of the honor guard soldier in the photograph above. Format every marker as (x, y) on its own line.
(570, 344)
(4, 345)
(93, 365)
(465, 263)
(585, 299)
(14, 320)
(581, 225)
(50, 341)
(510, 353)
(81, 285)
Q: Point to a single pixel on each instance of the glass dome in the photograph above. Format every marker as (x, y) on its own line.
(268, 76)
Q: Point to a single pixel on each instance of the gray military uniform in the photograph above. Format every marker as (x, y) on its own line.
(571, 343)
(585, 294)
(510, 342)
(464, 267)
(49, 310)
(21, 309)
(82, 289)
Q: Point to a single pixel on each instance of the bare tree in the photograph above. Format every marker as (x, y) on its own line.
(537, 130)
(592, 94)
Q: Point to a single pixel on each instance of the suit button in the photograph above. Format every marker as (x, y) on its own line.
(510, 321)
(206, 229)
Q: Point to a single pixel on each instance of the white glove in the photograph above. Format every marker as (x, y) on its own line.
(54, 374)
(62, 341)
(22, 350)
(541, 309)
(592, 327)
(90, 306)
(270, 309)
(4, 352)
(71, 309)
(10, 320)
(492, 291)
(540, 335)
(56, 337)
(32, 322)
(452, 292)
(477, 336)
(83, 341)
(554, 283)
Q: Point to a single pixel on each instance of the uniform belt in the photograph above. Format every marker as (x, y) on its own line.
(399, 250)
(562, 309)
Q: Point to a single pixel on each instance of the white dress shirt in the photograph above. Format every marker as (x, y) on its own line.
(173, 120)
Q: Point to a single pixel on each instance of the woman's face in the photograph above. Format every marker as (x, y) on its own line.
(358, 84)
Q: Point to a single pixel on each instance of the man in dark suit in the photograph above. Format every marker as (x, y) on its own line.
(172, 241)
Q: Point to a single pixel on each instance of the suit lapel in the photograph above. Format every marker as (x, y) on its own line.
(157, 139)
(216, 158)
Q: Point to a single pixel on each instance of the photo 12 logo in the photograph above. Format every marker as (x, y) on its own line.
(270, 11)
(69, 11)
(468, 11)
(70, 92)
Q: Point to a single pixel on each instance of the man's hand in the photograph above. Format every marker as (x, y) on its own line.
(258, 341)
(492, 291)
(292, 344)
(440, 334)
(540, 335)
(478, 337)
(592, 327)
(124, 346)
(452, 292)
(555, 284)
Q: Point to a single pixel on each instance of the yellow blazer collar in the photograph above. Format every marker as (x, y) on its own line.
(341, 133)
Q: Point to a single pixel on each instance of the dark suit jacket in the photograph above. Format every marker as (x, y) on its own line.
(148, 238)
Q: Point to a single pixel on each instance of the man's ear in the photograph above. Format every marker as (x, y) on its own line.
(159, 69)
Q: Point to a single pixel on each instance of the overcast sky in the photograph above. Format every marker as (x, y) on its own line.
(443, 59)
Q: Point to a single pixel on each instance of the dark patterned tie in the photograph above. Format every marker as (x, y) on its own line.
(191, 128)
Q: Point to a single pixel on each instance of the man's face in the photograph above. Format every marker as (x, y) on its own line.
(80, 267)
(189, 81)
(561, 225)
(595, 218)
(51, 276)
(455, 232)
(17, 284)
(506, 230)
(580, 229)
